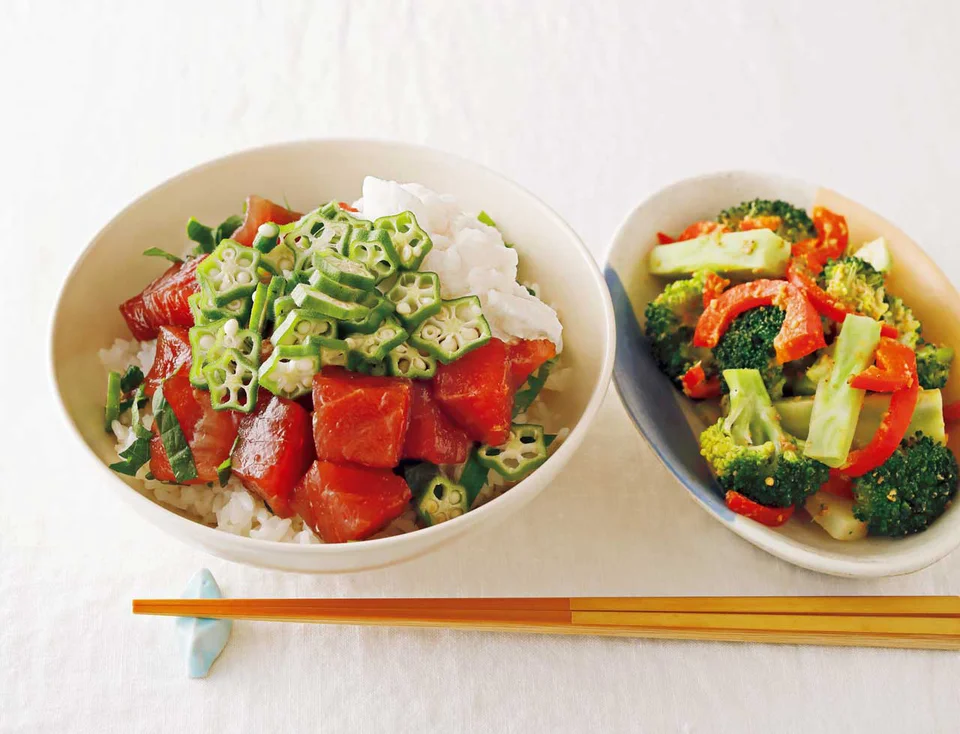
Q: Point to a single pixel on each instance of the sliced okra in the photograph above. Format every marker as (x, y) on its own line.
(410, 242)
(523, 451)
(374, 347)
(375, 251)
(457, 328)
(406, 360)
(342, 269)
(289, 370)
(415, 297)
(229, 272)
(331, 287)
(298, 326)
(232, 381)
(311, 299)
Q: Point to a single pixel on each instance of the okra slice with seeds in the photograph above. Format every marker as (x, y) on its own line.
(331, 287)
(202, 339)
(344, 270)
(289, 370)
(232, 381)
(415, 296)
(357, 364)
(238, 309)
(229, 272)
(281, 307)
(457, 328)
(262, 309)
(442, 499)
(409, 240)
(379, 307)
(245, 341)
(268, 237)
(199, 317)
(311, 299)
(282, 259)
(375, 251)
(333, 352)
(377, 345)
(411, 362)
(299, 325)
(336, 213)
(523, 451)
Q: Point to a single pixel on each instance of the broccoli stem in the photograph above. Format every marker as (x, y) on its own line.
(749, 394)
(756, 253)
(836, 406)
(927, 416)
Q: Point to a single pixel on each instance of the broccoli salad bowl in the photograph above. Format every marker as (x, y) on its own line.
(333, 355)
(788, 355)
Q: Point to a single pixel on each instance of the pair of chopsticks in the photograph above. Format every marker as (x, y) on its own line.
(919, 622)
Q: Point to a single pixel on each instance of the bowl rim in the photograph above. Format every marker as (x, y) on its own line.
(159, 514)
(800, 554)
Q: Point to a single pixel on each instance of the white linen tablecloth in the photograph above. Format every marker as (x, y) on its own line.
(592, 106)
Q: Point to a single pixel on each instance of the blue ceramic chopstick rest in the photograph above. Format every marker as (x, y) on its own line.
(202, 640)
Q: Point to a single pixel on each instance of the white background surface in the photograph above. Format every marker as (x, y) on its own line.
(590, 105)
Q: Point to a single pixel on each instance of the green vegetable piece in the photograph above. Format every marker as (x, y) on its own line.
(406, 360)
(528, 392)
(927, 416)
(281, 307)
(315, 232)
(336, 213)
(111, 410)
(203, 337)
(836, 407)
(343, 270)
(474, 476)
(333, 352)
(379, 307)
(227, 227)
(225, 470)
(933, 365)
(442, 499)
(210, 341)
(136, 401)
(232, 381)
(267, 238)
(457, 328)
(333, 288)
(410, 243)
(131, 379)
(900, 317)
(415, 296)
(274, 290)
(523, 451)
(748, 344)
(281, 259)
(375, 347)
(205, 310)
(364, 367)
(137, 453)
(174, 442)
(289, 371)
(298, 326)
(199, 317)
(857, 285)
(670, 321)
(755, 253)
(486, 219)
(229, 273)
(158, 252)
(795, 223)
(311, 299)
(877, 253)
(202, 235)
(374, 250)
(258, 311)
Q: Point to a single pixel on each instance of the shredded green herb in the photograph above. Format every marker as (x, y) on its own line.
(227, 227)
(174, 442)
(202, 235)
(138, 453)
(473, 477)
(226, 466)
(111, 410)
(131, 379)
(531, 388)
(159, 252)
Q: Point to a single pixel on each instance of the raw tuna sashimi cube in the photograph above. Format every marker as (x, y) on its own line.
(209, 433)
(134, 312)
(432, 436)
(260, 211)
(358, 418)
(173, 351)
(165, 298)
(342, 502)
(526, 357)
(274, 450)
(475, 392)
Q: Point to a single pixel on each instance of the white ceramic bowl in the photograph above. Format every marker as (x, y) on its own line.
(665, 417)
(308, 173)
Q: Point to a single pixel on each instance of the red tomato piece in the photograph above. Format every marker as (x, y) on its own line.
(432, 436)
(173, 351)
(475, 392)
(274, 450)
(260, 211)
(165, 298)
(360, 419)
(698, 229)
(340, 502)
(664, 239)
(134, 312)
(771, 222)
(698, 386)
(800, 335)
(713, 286)
(209, 433)
(772, 517)
(526, 357)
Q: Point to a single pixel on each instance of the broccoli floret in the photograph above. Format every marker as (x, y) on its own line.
(748, 344)
(902, 318)
(857, 285)
(933, 365)
(795, 224)
(671, 319)
(751, 453)
(909, 490)
(756, 254)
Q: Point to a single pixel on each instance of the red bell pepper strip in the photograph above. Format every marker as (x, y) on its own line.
(800, 335)
(771, 222)
(830, 242)
(772, 517)
(838, 485)
(698, 229)
(713, 286)
(798, 273)
(890, 371)
(664, 239)
(892, 428)
(951, 412)
(698, 386)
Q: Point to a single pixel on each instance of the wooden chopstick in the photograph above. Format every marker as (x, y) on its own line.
(908, 622)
